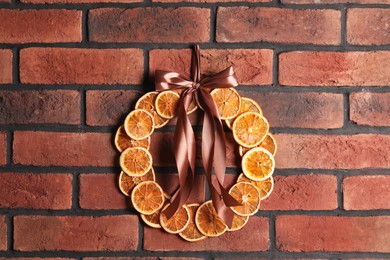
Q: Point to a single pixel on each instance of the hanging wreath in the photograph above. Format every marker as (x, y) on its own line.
(177, 96)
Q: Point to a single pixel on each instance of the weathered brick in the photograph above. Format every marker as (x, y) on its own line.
(328, 233)
(282, 109)
(313, 68)
(49, 233)
(81, 66)
(109, 107)
(140, 258)
(37, 258)
(78, 1)
(368, 26)
(253, 237)
(302, 192)
(371, 109)
(40, 107)
(210, 1)
(36, 191)
(252, 24)
(5, 66)
(333, 151)
(252, 66)
(366, 192)
(301, 109)
(64, 149)
(24, 26)
(3, 234)
(92, 197)
(150, 24)
(92, 185)
(335, 1)
(3, 148)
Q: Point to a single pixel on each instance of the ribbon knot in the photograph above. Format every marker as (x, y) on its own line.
(213, 136)
(195, 85)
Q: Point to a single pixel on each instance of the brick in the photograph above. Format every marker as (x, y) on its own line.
(253, 237)
(25, 26)
(150, 24)
(67, 233)
(303, 192)
(329, 233)
(282, 109)
(333, 151)
(300, 109)
(313, 68)
(370, 108)
(3, 148)
(252, 66)
(368, 26)
(335, 1)
(110, 107)
(64, 149)
(5, 66)
(78, 1)
(81, 66)
(161, 148)
(36, 191)
(366, 192)
(121, 258)
(40, 107)
(92, 185)
(140, 258)
(210, 1)
(298, 192)
(92, 197)
(37, 258)
(3, 234)
(253, 24)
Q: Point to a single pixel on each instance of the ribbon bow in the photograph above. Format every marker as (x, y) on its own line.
(213, 139)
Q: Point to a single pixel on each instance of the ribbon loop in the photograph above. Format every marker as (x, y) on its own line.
(213, 136)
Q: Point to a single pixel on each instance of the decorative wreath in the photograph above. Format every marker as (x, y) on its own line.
(177, 96)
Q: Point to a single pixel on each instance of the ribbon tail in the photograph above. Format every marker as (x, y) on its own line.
(185, 154)
(214, 150)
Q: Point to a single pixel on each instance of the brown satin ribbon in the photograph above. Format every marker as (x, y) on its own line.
(213, 136)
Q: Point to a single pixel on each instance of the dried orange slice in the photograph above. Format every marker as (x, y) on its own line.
(258, 164)
(249, 129)
(139, 124)
(265, 187)
(135, 161)
(178, 222)
(167, 104)
(147, 197)
(193, 105)
(248, 195)
(269, 143)
(152, 220)
(228, 102)
(191, 232)
(247, 105)
(127, 183)
(123, 141)
(238, 222)
(147, 102)
(208, 222)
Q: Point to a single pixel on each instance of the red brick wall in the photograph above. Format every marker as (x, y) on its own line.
(70, 70)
